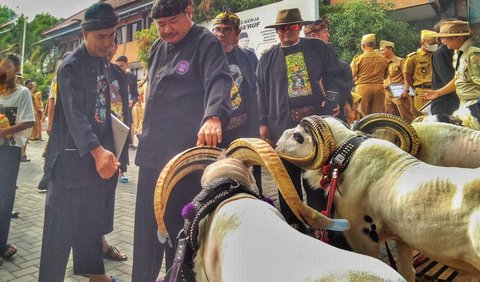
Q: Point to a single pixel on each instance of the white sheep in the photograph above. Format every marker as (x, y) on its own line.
(245, 239)
(386, 194)
(438, 143)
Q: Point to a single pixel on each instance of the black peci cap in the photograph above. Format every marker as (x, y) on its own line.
(100, 15)
(169, 8)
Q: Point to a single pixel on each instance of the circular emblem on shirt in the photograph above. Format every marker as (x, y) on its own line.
(182, 67)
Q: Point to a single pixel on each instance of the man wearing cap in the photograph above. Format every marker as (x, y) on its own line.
(369, 70)
(122, 62)
(394, 105)
(244, 41)
(417, 70)
(243, 63)
(189, 104)
(292, 79)
(81, 160)
(318, 29)
(458, 36)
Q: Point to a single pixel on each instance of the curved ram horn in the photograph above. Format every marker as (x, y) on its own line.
(323, 144)
(392, 128)
(183, 164)
(253, 151)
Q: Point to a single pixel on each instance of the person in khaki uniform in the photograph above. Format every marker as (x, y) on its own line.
(418, 70)
(369, 70)
(36, 133)
(399, 106)
(457, 35)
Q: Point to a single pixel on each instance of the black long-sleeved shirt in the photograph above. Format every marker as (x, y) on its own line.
(443, 73)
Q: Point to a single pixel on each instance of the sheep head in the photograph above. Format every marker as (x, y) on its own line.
(310, 144)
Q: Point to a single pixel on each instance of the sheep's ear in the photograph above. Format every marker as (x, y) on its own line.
(391, 128)
(183, 164)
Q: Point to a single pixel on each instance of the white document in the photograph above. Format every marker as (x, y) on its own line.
(120, 134)
(397, 89)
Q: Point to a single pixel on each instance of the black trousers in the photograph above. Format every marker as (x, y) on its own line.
(147, 250)
(9, 167)
(73, 220)
(295, 174)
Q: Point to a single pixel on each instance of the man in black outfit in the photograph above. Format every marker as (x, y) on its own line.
(443, 73)
(189, 104)
(81, 162)
(122, 62)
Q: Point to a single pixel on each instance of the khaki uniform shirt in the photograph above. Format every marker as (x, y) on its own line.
(467, 75)
(419, 64)
(395, 70)
(369, 68)
(37, 101)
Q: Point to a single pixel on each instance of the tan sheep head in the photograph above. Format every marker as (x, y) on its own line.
(391, 128)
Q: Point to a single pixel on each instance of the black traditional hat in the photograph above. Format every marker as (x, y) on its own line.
(100, 15)
(169, 8)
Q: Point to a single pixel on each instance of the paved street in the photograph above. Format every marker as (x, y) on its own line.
(26, 231)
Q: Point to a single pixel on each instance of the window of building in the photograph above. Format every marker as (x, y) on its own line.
(132, 29)
(122, 34)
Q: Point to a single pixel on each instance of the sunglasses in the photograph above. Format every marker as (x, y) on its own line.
(286, 27)
(225, 30)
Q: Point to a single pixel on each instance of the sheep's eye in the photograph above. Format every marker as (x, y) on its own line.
(298, 137)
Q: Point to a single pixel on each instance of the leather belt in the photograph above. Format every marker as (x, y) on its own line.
(236, 122)
(299, 113)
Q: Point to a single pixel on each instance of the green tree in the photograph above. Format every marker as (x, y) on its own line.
(6, 15)
(38, 59)
(145, 39)
(350, 21)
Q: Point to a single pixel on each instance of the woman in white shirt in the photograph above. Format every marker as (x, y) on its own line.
(15, 105)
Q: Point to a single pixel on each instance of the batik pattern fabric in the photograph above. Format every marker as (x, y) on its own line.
(297, 75)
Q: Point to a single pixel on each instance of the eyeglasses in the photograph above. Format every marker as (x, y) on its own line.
(225, 30)
(291, 27)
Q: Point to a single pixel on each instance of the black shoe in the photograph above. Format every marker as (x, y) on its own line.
(15, 214)
(25, 159)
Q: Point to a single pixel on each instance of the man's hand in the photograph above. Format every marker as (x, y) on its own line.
(405, 94)
(347, 109)
(210, 134)
(105, 162)
(336, 111)
(429, 94)
(264, 133)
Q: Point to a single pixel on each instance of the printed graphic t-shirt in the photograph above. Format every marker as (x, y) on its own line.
(115, 98)
(18, 107)
(237, 92)
(299, 88)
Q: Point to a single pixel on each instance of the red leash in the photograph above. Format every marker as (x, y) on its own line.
(331, 194)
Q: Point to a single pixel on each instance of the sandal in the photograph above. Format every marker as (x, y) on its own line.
(114, 254)
(9, 251)
(123, 179)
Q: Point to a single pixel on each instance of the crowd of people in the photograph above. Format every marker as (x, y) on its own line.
(202, 89)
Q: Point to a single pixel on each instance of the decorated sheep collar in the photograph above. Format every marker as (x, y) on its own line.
(340, 159)
(342, 156)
